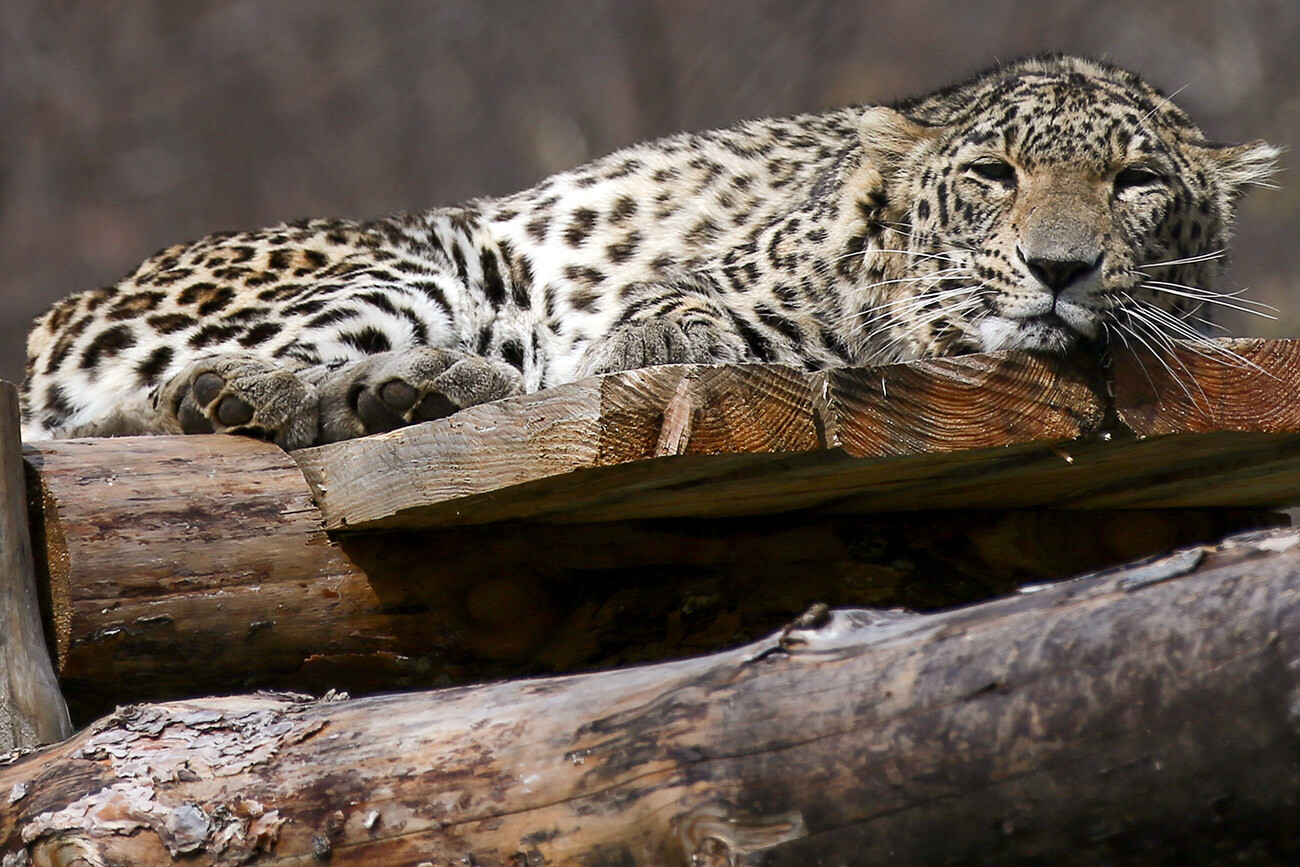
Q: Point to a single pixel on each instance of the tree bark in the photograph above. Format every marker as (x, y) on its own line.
(156, 546)
(1145, 715)
(186, 565)
(31, 707)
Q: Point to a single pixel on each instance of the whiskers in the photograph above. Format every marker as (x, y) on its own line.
(1228, 300)
(1188, 260)
(942, 256)
(1141, 323)
(880, 325)
(889, 326)
(905, 305)
(1158, 327)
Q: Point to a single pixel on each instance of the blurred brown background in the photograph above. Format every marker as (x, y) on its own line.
(126, 126)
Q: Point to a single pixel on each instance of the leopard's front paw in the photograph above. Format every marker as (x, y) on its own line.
(661, 341)
(394, 389)
(245, 395)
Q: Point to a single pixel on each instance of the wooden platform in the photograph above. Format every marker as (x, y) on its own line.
(1008, 430)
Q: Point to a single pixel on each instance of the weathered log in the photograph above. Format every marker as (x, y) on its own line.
(181, 565)
(31, 707)
(1147, 715)
(156, 546)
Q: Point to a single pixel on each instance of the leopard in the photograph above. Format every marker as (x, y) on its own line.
(1053, 204)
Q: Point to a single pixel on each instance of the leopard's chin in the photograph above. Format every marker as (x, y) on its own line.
(1047, 332)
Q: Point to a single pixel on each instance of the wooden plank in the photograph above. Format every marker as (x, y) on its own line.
(32, 710)
(1142, 716)
(615, 421)
(961, 404)
(1004, 430)
(1242, 385)
(692, 440)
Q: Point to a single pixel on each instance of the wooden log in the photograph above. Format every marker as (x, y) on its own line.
(31, 707)
(1143, 716)
(1004, 430)
(156, 546)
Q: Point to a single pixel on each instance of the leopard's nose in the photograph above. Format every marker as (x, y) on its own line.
(1058, 272)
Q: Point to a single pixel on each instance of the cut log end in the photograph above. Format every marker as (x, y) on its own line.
(1221, 385)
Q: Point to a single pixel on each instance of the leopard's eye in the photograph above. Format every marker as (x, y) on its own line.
(997, 170)
(1136, 176)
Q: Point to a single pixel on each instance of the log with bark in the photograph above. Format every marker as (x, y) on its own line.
(621, 545)
(156, 546)
(1144, 716)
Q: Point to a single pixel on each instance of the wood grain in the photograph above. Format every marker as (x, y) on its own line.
(766, 428)
(32, 710)
(1241, 385)
(1005, 430)
(1137, 717)
(960, 404)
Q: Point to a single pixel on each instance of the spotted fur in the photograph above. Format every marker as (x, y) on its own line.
(1038, 205)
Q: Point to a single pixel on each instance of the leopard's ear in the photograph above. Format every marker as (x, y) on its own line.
(1240, 166)
(888, 137)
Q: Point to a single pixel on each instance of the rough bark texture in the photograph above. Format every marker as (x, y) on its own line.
(31, 708)
(154, 547)
(184, 565)
(1147, 715)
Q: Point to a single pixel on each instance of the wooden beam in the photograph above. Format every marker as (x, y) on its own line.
(1146, 715)
(31, 707)
(1242, 385)
(1005, 430)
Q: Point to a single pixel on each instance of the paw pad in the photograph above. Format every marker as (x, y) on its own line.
(206, 387)
(397, 403)
(230, 411)
(244, 394)
(233, 411)
(398, 396)
(192, 420)
(374, 413)
(390, 390)
(435, 405)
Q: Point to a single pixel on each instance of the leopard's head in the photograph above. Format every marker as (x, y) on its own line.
(1041, 204)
